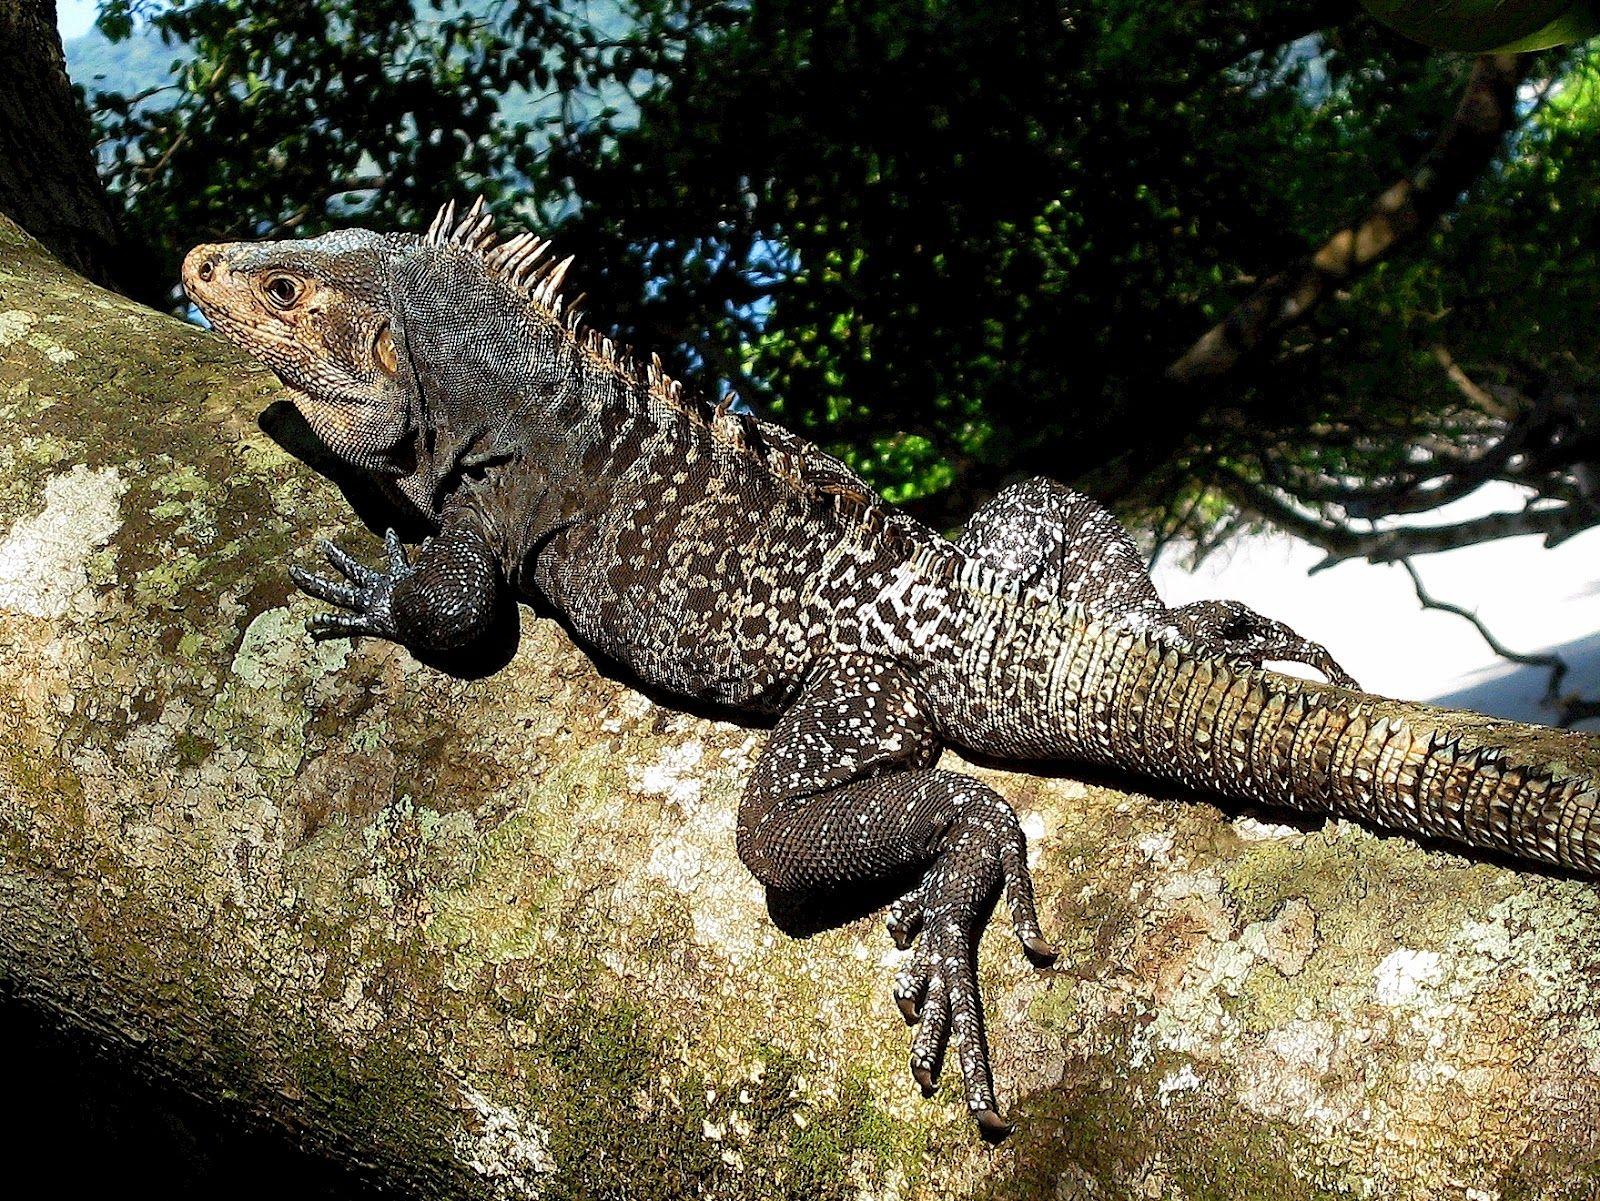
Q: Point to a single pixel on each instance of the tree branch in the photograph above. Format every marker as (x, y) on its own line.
(1403, 211)
(1554, 524)
(490, 939)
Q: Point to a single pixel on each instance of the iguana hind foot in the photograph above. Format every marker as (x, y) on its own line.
(1065, 544)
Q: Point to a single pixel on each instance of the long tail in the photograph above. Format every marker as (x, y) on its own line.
(1129, 700)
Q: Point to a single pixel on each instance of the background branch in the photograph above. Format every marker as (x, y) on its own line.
(1404, 210)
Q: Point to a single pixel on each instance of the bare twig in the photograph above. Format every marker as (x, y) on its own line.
(1341, 541)
(1556, 665)
(1570, 708)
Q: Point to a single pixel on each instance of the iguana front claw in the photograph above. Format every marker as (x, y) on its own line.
(367, 595)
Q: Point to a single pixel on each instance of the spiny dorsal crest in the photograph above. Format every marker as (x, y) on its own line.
(520, 261)
(524, 264)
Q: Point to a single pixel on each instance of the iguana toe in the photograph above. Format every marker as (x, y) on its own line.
(991, 1125)
(905, 918)
(367, 596)
(1041, 953)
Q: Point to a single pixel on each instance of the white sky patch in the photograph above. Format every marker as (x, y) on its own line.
(73, 17)
(1533, 597)
(44, 559)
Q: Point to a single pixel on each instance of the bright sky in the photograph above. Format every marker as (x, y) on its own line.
(1532, 598)
(75, 16)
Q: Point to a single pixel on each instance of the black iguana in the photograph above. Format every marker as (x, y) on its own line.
(722, 558)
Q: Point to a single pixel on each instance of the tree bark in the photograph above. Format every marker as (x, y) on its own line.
(490, 937)
(48, 183)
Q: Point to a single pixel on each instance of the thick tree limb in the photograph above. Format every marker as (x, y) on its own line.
(48, 183)
(490, 937)
(1406, 209)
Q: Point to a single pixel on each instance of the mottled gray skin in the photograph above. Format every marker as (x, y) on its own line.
(723, 559)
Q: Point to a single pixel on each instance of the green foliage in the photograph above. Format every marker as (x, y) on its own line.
(985, 225)
(954, 240)
(285, 118)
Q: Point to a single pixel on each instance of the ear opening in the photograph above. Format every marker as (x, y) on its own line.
(384, 350)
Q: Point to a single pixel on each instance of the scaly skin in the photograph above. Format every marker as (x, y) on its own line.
(724, 559)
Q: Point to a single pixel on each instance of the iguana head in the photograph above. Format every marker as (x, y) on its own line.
(317, 312)
(412, 356)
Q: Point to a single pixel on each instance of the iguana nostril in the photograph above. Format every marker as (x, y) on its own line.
(202, 264)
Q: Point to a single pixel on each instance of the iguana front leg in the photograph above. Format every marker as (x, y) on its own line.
(444, 600)
(845, 795)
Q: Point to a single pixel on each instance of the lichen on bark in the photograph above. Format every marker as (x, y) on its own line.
(489, 937)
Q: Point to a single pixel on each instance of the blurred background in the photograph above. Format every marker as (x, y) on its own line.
(1312, 306)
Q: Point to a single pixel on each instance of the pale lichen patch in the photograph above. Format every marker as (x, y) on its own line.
(510, 1152)
(672, 775)
(14, 324)
(1403, 974)
(1181, 1081)
(1287, 939)
(1252, 829)
(723, 900)
(631, 708)
(44, 560)
(1290, 1076)
(275, 641)
(17, 325)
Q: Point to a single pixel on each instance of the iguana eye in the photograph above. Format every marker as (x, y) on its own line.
(283, 290)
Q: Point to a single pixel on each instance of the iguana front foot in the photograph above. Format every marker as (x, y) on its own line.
(368, 595)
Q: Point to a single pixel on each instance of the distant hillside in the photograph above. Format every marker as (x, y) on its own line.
(97, 64)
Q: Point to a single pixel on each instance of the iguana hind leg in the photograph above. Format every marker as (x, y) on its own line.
(1068, 545)
(845, 795)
